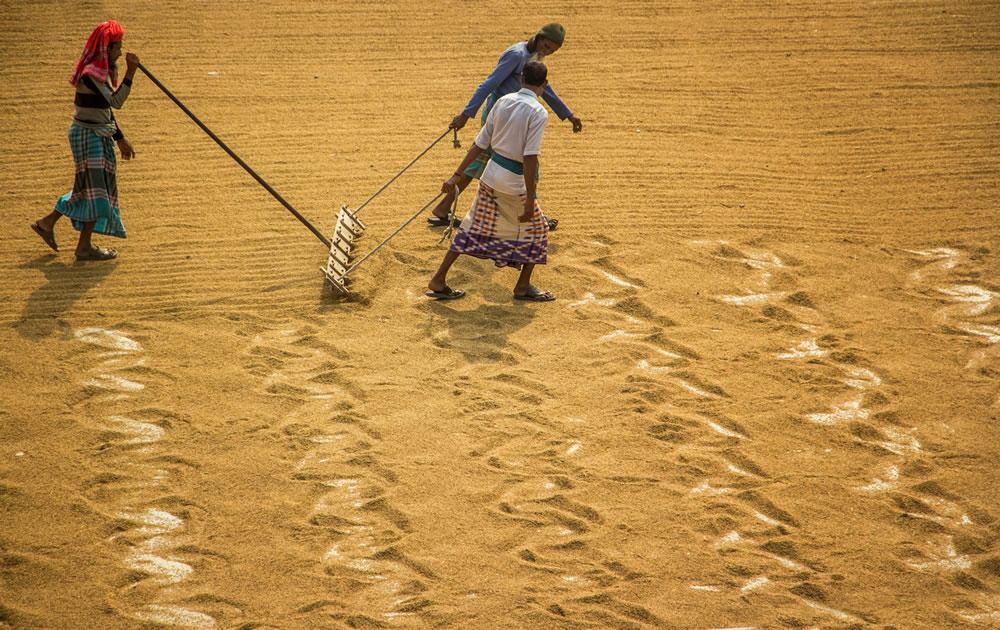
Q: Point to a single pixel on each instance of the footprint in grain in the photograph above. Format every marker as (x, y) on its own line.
(759, 289)
(946, 526)
(969, 309)
(152, 535)
(638, 338)
(543, 475)
(540, 472)
(755, 534)
(360, 532)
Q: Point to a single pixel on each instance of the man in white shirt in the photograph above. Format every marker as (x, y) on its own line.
(505, 223)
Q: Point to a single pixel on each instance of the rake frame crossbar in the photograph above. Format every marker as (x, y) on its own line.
(348, 229)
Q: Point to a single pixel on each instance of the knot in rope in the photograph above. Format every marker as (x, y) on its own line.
(451, 217)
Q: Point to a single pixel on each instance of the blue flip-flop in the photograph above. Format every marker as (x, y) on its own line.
(447, 294)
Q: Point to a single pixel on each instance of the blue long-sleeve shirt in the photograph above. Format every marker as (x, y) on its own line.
(506, 78)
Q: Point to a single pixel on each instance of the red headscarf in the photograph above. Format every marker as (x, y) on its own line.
(94, 60)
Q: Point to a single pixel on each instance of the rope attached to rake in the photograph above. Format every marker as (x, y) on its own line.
(451, 216)
(388, 238)
(447, 232)
(295, 212)
(456, 143)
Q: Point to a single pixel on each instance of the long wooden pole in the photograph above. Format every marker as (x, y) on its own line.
(259, 179)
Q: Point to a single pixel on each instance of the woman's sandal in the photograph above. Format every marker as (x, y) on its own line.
(98, 253)
(47, 235)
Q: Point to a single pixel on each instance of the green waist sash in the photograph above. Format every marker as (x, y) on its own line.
(515, 167)
(511, 165)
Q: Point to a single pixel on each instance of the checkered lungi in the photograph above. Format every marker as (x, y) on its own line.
(491, 230)
(95, 187)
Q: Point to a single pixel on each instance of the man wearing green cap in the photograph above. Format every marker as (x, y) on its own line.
(506, 79)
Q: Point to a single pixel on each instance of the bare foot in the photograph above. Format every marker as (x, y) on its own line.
(437, 286)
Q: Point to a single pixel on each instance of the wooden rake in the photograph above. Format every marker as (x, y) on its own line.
(348, 228)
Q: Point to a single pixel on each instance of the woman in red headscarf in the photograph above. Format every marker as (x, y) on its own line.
(93, 203)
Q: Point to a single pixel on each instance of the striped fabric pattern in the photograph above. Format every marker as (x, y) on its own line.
(475, 170)
(95, 188)
(491, 230)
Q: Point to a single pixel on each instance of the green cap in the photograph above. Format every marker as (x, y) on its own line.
(554, 32)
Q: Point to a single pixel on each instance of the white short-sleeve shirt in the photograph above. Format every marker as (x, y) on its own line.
(514, 129)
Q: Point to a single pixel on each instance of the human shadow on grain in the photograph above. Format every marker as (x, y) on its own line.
(67, 285)
(481, 335)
